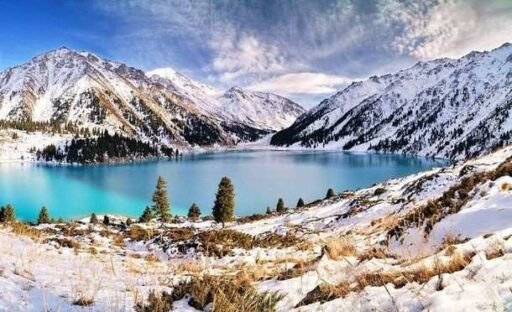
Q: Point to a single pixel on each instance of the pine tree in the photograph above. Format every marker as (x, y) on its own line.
(60, 220)
(2, 214)
(106, 220)
(280, 205)
(300, 203)
(146, 216)
(269, 211)
(194, 212)
(7, 214)
(330, 193)
(93, 219)
(44, 216)
(224, 206)
(161, 206)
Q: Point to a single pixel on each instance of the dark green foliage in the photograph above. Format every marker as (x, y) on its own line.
(60, 220)
(106, 220)
(146, 216)
(44, 216)
(93, 219)
(161, 206)
(7, 214)
(330, 193)
(269, 211)
(194, 212)
(300, 203)
(104, 148)
(224, 206)
(280, 205)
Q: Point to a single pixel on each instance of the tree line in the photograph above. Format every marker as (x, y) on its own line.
(223, 207)
(103, 148)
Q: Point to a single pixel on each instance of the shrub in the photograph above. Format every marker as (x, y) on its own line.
(339, 247)
(93, 219)
(156, 303)
(225, 294)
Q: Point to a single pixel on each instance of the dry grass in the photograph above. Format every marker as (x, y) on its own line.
(325, 292)
(419, 274)
(338, 248)
(374, 253)
(137, 233)
(223, 294)
(495, 250)
(190, 266)
(298, 269)
(221, 243)
(505, 187)
(83, 302)
(23, 229)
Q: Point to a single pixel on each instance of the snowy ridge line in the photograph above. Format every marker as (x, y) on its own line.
(448, 108)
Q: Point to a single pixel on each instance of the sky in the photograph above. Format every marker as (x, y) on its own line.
(303, 49)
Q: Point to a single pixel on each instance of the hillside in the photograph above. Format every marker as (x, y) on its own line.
(449, 108)
(436, 240)
(65, 87)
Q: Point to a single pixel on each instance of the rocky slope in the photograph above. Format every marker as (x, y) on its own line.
(450, 108)
(64, 86)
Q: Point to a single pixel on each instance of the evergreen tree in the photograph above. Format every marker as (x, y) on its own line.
(280, 205)
(44, 216)
(161, 206)
(93, 219)
(146, 216)
(330, 193)
(224, 206)
(300, 203)
(106, 220)
(2, 214)
(194, 212)
(60, 220)
(269, 211)
(7, 214)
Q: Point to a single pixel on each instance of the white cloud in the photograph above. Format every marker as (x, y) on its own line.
(301, 83)
(453, 28)
(238, 56)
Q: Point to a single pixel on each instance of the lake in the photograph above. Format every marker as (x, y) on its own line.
(260, 178)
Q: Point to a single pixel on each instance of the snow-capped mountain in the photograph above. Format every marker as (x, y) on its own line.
(69, 86)
(452, 108)
(257, 109)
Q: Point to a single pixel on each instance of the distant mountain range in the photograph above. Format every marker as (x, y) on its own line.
(450, 108)
(163, 106)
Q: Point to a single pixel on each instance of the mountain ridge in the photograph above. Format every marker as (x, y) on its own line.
(64, 85)
(449, 108)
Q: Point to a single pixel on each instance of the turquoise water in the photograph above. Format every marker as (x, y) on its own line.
(260, 178)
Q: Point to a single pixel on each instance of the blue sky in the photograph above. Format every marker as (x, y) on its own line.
(298, 48)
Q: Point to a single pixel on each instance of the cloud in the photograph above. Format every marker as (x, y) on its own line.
(309, 46)
(236, 56)
(453, 28)
(301, 83)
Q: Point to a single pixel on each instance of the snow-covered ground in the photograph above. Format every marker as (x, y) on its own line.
(342, 244)
(16, 145)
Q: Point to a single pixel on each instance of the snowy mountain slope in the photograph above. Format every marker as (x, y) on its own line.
(337, 254)
(452, 108)
(257, 109)
(67, 86)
